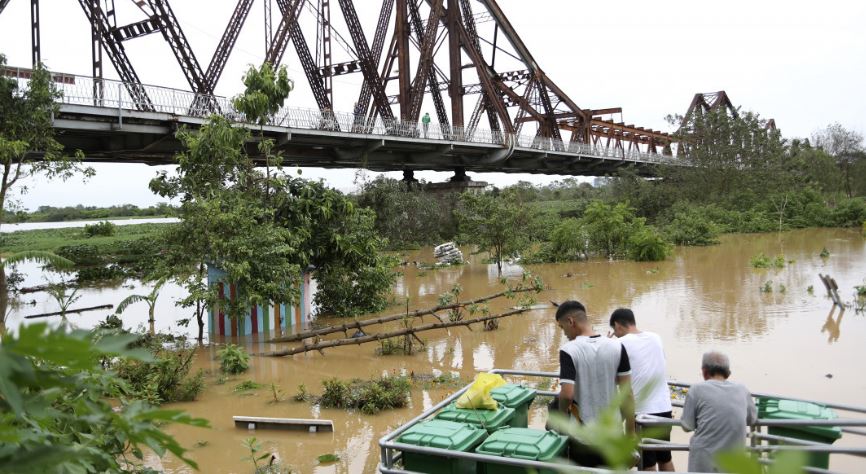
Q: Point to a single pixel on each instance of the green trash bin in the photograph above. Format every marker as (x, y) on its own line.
(445, 435)
(517, 397)
(780, 409)
(521, 443)
(490, 420)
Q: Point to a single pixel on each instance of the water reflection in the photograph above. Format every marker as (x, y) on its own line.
(832, 326)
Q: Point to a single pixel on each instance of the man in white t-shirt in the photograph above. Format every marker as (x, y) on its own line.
(648, 377)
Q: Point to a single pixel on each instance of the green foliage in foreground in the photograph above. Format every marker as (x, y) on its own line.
(56, 408)
(370, 396)
(233, 359)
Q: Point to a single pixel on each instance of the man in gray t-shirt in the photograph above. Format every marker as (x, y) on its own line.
(592, 369)
(718, 411)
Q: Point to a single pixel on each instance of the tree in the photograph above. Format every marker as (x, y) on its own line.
(27, 143)
(729, 156)
(496, 223)
(609, 227)
(266, 91)
(406, 215)
(846, 146)
(224, 224)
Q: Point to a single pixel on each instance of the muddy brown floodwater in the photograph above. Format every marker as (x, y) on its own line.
(701, 298)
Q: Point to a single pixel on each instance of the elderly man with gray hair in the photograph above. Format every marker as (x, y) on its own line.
(718, 411)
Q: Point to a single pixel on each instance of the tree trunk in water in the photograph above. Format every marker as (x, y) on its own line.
(4, 298)
(200, 319)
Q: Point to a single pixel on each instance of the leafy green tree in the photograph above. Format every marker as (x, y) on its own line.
(60, 412)
(609, 227)
(495, 222)
(568, 241)
(729, 156)
(846, 146)
(27, 143)
(406, 215)
(265, 92)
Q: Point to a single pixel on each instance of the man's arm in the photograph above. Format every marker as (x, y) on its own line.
(751, 411)
(627, 408)
(689, 418)
(623, 382)
(567, 380)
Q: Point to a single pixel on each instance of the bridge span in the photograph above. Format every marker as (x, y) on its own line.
(112, 128)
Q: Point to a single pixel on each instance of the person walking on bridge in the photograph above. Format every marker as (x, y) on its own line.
(592, 369)
(718, 411)
(425, 123)
(648, 377)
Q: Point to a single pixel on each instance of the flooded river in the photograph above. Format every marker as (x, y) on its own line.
(780, 341)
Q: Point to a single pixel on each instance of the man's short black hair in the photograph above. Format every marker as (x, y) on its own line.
(568, 308)
(623, 316)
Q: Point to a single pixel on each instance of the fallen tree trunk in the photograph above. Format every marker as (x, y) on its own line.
(386, 335)
(79, 310)
(344, 328)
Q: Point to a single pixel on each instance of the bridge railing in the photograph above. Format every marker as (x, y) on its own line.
(84, 90)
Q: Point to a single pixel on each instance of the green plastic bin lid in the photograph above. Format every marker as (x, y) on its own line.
(444, 434)
(513, 395)
(780, 409)
(488, 419)
(523, 443)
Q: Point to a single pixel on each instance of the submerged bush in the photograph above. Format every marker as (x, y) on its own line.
(234, 359)
(100, 229)
(647, 245)
(567, 241)
(370, 396)
(691, 226)
(763, 261)
(165, 379)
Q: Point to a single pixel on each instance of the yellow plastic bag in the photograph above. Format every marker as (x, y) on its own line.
(478, 396)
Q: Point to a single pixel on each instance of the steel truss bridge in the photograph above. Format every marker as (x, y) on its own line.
(439, 52)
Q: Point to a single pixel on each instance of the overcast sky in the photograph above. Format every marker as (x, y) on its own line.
(802, 63)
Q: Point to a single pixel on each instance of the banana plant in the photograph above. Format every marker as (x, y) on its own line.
(149, 298)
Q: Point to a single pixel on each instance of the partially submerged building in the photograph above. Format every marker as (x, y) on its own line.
(273, 319)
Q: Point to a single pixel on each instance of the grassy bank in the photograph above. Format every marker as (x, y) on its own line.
(128, 252)
(52, 240)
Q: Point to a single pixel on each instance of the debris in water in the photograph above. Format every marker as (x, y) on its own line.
(448, 254)
(829, 376)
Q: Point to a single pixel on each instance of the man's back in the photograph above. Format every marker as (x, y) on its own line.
(596, 361)
(719, 412)
(647, 359)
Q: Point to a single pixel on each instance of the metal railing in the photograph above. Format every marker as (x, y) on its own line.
(85, 90)
(391, 450)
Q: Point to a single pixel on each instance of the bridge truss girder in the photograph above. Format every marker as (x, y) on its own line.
(449, 50)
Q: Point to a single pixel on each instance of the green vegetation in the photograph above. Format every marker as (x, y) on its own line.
(130, 252)
(102, 229)
(824, 253)
(61, 412)
(88, 213)
(763, 261)
(233, 359)
(370, 396)
(767, 287)
(495, 222)
(149, 298)
(247, 385)
(164, 376)
(407, 216)
(257, 459)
